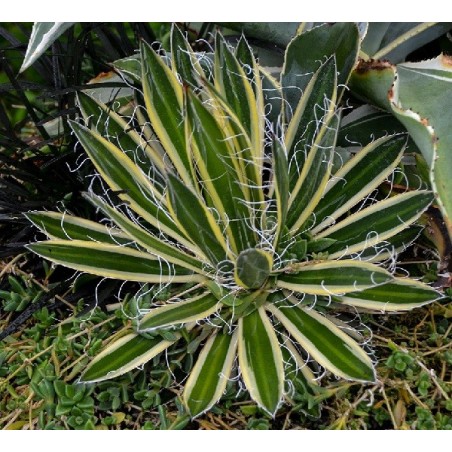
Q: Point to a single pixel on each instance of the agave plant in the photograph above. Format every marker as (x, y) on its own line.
(260, 232)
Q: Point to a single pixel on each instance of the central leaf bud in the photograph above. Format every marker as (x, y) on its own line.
(252, 268)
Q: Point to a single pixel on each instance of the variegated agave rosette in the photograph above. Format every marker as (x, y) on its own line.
(247, 213)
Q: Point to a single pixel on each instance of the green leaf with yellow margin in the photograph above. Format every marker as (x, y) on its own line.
(260, 360)
(122, 356)
(324, 341)
(209, 376)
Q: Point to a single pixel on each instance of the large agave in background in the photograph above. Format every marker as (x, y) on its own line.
(246, 214)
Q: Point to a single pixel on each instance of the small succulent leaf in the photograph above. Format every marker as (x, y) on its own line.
(401, 294)
(122, 175)
(123, 355)
(358, 178)
(313, 177)
(213, 157)
(333, 277)
(146, 239)
(306, 50)
(208, 378)
(43, 35)
(281, 187)
(107, 122)
(183, 59)
(112, 261)
(196, 221)
(189, 310)
(324, 341)
(67, 227)
(163, 95)
(311, 117)
(260, 360)
(376, 223)
(252, 268)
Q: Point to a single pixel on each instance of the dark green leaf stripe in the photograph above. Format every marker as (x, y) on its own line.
(122, 356)
(359, 177)
(209, 377)
(180, 312)
(123, 175)
(64, 226)
(147, 240)
(376, 223)
(164, 98)
(316, 104)
(325, 342)
(338, 277)
(398, 295)
(195, 220)
(314, 176)
(260, 360)
(215, 164)
(111, 261)
(281, 184)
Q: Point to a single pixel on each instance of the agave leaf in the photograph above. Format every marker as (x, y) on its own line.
(281, 187)
(310, 119)
(358, 178)
(189, 310)
(63, 226)
(112, 261)
(376, 223)
(130, 67)
(324, 341)
(108, 123)
(163, 95)
(245, 111)
(146, 239)
(314, 176)
(426, 88)
(306, 50)
(276, 33)
(123, 355)
(260, 360)
(124, 176)
(333, 277)
(401, 294)
(196, 221)
(395, 40)
(184, 61)
(273, 98)
(394, 245)
(210, 374)
(214, 161)
(43, 35)
(303, 382)
(365, 124)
